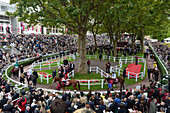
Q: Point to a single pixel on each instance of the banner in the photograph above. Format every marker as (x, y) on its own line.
(40, 29)
(23, 27)
(18, 30)
(28, 28)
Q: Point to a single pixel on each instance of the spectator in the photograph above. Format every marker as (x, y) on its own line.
(58, 106)
(54, 73)
(8, 107)
(124, 72)
(88, 64)
(149, 72)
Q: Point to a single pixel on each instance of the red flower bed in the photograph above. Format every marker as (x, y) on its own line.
(49, 76)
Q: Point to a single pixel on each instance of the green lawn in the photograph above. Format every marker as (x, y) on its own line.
(87, 76)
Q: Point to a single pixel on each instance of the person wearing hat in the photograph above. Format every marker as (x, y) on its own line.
(154, 65)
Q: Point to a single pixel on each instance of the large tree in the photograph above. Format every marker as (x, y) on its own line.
(77, 15)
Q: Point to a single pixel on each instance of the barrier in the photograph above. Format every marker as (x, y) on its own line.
(46, 60)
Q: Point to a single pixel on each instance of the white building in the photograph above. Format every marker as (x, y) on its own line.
(11, 24)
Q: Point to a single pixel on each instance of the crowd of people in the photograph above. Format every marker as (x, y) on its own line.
(163, 51)
(32, 45)
(150, 99)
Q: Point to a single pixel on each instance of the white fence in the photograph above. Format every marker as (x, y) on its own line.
(119, 70)
(49, 61)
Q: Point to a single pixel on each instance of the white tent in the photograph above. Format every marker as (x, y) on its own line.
(31, 32)
(167, 40)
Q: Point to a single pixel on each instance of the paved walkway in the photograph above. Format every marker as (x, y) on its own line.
(101, 64)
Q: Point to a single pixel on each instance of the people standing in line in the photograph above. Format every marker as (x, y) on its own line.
(156, 74)
(149, 72)
(22, 69)
(100, 56)
(108, 67)
(124, 72)
(88, 64)
(71, 66)
(136, 60)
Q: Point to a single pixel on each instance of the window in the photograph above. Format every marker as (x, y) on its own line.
(3, 8)
(6, 18)
(1, 17)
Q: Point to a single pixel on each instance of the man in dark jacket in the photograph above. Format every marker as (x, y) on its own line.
(7, 87)
(4, 100)
(149, 72)
(124, 72)
(8, 107)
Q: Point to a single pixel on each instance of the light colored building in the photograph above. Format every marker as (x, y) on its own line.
(10, 25)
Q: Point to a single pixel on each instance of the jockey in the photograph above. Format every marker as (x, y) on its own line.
(114, 76)
(154, 65)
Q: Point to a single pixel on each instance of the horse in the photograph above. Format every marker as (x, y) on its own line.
(120, 80)
(72, 82)
(31, 78)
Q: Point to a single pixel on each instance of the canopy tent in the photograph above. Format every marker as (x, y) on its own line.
(167, 40)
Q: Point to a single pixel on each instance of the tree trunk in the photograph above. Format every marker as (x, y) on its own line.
(114, 47)
(79, 45)
(95, 40)
(141, 40)
(82, 68)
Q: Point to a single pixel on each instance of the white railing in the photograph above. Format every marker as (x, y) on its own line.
(123, 59)
(92, 82)
(100, 71)
(70, 74)
(49, 61)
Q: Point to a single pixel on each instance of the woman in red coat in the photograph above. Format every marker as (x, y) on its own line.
(21, 104)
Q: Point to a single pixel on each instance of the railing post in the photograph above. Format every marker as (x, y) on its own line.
(132, 60)
(114, 59)
(90, 69)
(119, 72)
(90, 57)
(96, 69)
(38, 62)
(40, 66)
(116, 68)
(102, 84)
(47, 79)
(126, 60)
(42, 60)
(101, 73)
(41, 77)
(73, 73)
(136, 77)
(141, 75)
(103, 57)
(55, 57)
(46, 59)
(32, 65)
(128, 74)
(110, 69)
(68, 75)
(109, 58)
(96, 57)
(51, 58)
(88, 84)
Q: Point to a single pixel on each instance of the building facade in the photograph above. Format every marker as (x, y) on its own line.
(11, 25)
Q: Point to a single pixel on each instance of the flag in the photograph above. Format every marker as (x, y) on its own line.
(66, 30)
(28, 28)
(23, 27)
(32, 27)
